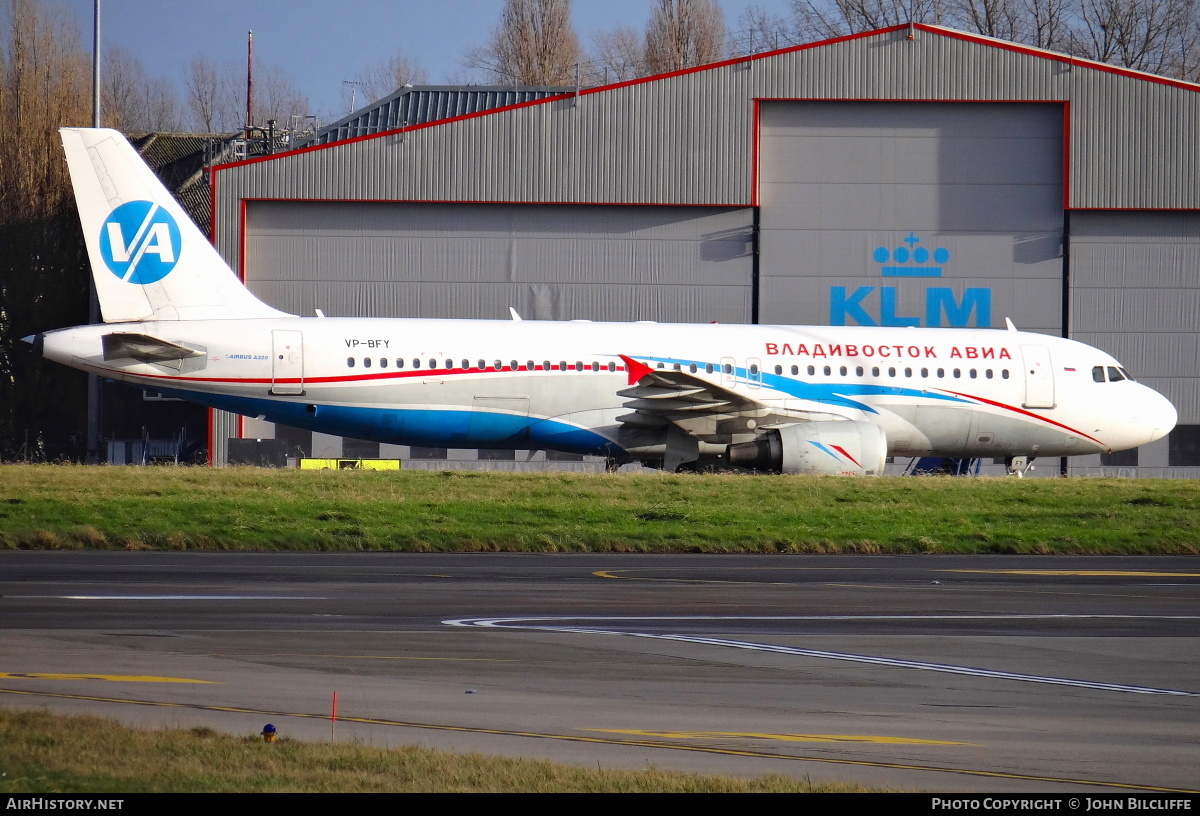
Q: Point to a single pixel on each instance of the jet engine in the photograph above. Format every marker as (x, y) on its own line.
(821, 448)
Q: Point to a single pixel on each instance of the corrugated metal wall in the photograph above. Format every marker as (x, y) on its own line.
(550, 262)
(688, 139)
(1135, 292)
(911, 213)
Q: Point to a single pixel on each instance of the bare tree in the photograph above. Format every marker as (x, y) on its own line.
(761, 30)
(533, 45)
(386, 77)
(684, 33)
(212, 97)
(1002, 19)
(823, 19)
(1159, 36)
(275, 97)
(619, 55)
(44, 85)
(1047, 23)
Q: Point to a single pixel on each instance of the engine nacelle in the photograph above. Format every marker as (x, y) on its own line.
(828, 448)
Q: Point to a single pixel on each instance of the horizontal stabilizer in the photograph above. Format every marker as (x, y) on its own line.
(124, 345)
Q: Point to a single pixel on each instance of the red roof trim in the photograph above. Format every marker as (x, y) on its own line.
(923, 27)
(583, 92)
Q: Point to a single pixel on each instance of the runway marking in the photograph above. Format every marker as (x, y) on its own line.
(613, 574)
(1081, 573)
(526, 624)
(858, 739)
(176, 597)
(366, 657)
(644, 743)
(117, 678)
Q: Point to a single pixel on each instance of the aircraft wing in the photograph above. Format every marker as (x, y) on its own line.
(662, 397)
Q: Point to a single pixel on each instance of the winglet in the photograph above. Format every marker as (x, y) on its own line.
(1008, 322)
(636, 370)
(516, 317)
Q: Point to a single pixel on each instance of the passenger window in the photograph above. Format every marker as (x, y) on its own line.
(828, 371)
(1114, 375)
(1004, 373)
(957, 373)
(579, 365)
(754, 368)
(562, 365)
(974, 373)
(497, 364)
(692, 368)
(892, 372)
(908, 372)
(399, 362)
(812, 370)
(349, 362)
(1097, 373)
(466, 364)
(778, 369)
(611, 366)
(924, 372)
(842, 371)
(595, 366)
(433, 363)
(795, 370)
(727, 368)
(858, 371)
(875, 371)
(383, 362)
(988, 374)
(515, 365)
(546, 365)
(677, 367)
(366, 362)
(416, 363)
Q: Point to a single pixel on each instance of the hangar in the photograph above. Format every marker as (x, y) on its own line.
(914, 175)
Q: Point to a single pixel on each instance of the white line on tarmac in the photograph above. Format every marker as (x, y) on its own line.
(534, 623)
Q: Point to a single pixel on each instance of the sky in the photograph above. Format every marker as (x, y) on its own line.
(321, 43)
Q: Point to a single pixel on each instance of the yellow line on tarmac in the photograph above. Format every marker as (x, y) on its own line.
(365, 657)
(1086, 573)
(632, 743)
(844, 738)
(117, 678)
(610, 574)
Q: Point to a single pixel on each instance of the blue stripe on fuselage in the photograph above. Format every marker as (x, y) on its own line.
(428, 427)
(827, 393)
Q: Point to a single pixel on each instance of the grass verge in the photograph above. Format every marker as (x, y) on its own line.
(42, 752)
(76, 507)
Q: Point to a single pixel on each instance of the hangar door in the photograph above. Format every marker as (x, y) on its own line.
(550, 262)
(911, 213)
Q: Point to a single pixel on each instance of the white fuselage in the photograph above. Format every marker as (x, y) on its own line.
(554, 385)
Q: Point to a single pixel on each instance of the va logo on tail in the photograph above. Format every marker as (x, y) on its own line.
(140, 242)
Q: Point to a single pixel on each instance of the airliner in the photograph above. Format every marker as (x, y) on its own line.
(781, 399)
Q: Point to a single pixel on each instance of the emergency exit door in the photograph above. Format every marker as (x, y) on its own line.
(1039, 377)
(287, 362)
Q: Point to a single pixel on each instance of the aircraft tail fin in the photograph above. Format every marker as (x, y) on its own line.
(149, 260)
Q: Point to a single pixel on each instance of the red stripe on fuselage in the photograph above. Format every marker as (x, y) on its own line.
(1029, 414)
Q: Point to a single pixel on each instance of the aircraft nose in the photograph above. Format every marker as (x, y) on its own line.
(1159, 415)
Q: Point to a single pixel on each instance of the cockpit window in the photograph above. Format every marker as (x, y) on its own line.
(1114, 374)
(1098, 373)
(1128, 376)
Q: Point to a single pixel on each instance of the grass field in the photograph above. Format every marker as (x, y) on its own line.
(51, 753)
(168, 508)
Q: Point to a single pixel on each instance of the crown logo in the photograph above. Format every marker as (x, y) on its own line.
(911, 261)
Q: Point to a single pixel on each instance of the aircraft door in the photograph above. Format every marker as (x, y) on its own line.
(287, 362)
(1039, 377)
